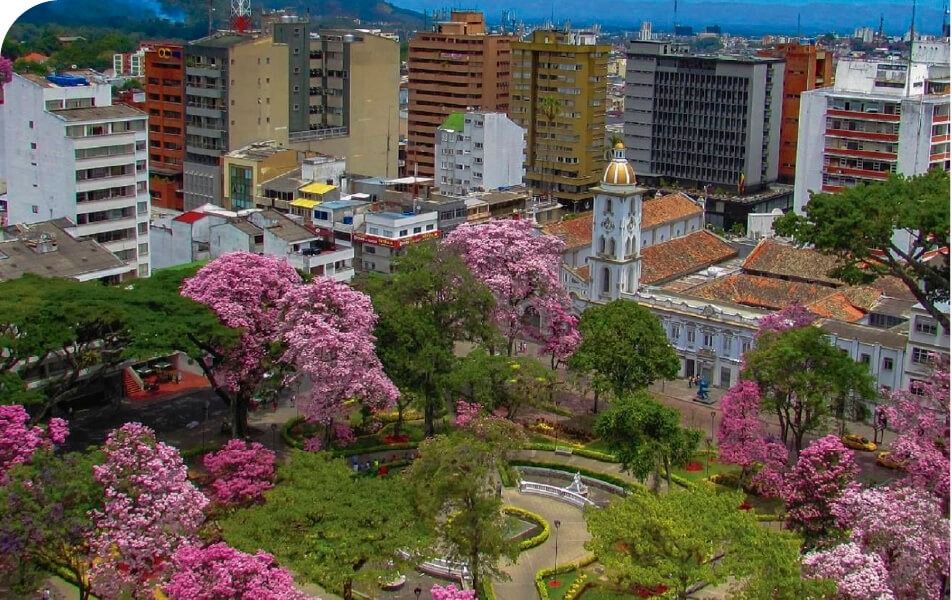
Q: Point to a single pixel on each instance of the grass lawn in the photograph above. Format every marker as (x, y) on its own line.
(707, 470)
(599, 446)
(514, 526)
(600, 593)
(557, 593)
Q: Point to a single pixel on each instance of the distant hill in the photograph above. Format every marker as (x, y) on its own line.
(192, 15)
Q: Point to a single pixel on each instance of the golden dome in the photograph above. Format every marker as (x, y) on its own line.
(619, 171)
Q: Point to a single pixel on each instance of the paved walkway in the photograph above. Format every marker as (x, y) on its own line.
(572, 535)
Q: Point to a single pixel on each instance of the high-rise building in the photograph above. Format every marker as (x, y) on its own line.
(71, 153)
(478, 151)
(331, 91)
(164, 65)
(353, 102)
(129, 64)
(645, 33)
(806, 68)
(702, 120)
(558, 94)
(876, 120)
(457, 67)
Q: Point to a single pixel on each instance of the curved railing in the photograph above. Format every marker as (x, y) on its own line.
(544, 489)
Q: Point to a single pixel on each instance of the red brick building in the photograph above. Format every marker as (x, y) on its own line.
(165, 103)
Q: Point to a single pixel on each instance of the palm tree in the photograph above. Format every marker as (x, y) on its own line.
(550, 106)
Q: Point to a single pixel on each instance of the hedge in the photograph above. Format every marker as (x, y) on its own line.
(196, 451)
(596, 455)
(293, 442)
(525, 515)
(505, 476)
(616, 481)
(542, 574)
(486, 591)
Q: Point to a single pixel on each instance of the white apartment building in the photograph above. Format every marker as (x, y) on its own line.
(71, 153)
(926, 337)
(879, 118)
(479, 151)
(386, 235)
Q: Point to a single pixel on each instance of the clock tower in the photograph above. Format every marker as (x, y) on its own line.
(615, 263)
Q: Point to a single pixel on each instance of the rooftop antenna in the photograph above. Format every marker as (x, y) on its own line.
(241, 15)
(675, 13)
(912, 42)
(798, 26)
(880, 34)
(211, 8)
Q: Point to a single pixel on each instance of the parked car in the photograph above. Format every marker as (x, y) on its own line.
(886, 459)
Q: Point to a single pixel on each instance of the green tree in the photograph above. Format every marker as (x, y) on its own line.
(623, 349)
(500, 381)
(162, 321)
(330, 525)
(73, 329)
(857, 225)
(804, 379)
(429, 303)
(646, 436)
(453, 482)
(30, 67)
(45, 508)
(687, 537)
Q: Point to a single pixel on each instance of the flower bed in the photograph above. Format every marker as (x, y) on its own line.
(694, 467)
(531, 517)
(543, 575)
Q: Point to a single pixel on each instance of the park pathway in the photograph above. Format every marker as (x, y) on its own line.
(571, 536)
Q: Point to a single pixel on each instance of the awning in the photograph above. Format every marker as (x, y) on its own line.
(302, 203)
(316, 188)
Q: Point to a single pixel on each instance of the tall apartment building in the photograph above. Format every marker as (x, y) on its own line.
(876, 120)
(333, 92)
(457, 67)
(806, 68)
(164, 65)
(129, 64)
(353, 100)
(558, 94)
(702, 120)
(478, 151)
(71, 153)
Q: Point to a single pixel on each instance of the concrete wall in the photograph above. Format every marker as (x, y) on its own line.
(225, 237)
(810, 147)
(258, 93)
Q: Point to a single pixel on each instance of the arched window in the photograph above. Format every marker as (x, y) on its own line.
(611, 246)
(601, 245)
(606, 280)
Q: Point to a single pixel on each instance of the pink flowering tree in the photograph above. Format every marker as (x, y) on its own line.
(560, 337)
(451, 592)
(220, 572)
(6, 70)
(858, 575)
(241, 472)
(521, 269)
(824, 473)
(743, 441)
(150, 509)
(922, 425)
(466, 412)
(246, 291)
(791, 317)
(896, 530)
(328, 337)
(18, 440)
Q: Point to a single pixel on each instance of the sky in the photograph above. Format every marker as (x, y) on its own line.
(734, 16)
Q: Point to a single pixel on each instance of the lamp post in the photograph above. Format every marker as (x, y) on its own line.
(274, 437)
(708, 462)
(417, 591)
(555, 562)
(713, 414)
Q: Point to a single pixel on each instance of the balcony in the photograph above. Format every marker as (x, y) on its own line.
(335, 263)
(865, 116)
(862, 135)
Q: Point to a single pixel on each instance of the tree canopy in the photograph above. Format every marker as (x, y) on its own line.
(330, 525)
(858, 225)
(623, 348)
(646, 436)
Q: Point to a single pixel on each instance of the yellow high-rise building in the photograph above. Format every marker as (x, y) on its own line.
(559, 94)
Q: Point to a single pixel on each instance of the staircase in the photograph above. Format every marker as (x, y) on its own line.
(131, 382)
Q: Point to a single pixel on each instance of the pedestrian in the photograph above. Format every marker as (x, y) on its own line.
(691, 382)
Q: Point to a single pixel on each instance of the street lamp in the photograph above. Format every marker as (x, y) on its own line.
(274, 437)
(555, 563)
(713, 414)
(708, 462)
(417, 591)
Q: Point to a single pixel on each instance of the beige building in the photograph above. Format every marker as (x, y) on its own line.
(558, 95)
(246, 169)
(258, 93)
(355, 108)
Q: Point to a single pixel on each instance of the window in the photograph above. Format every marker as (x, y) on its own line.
(864, 359)
(31, 124)
(675, 332)
(726, 342)
(725, 377)
(691, 333)
(369, 250)
(403, 232)
(430, 227)
(32, 145)
(920, 356)
(418, 230)
(926, 326)
(745, 346)
(708, 340)
(887, 363)
(143, 249)
(143, 270)
(35, 209)
(143, 228)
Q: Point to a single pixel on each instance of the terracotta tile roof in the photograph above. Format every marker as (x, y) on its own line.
(583, 272)
(864, 297)
(893, 287)
(672, 207)
(836, 306)
(683, 255)
(775, 259)
(576, 232)
(760, 292)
